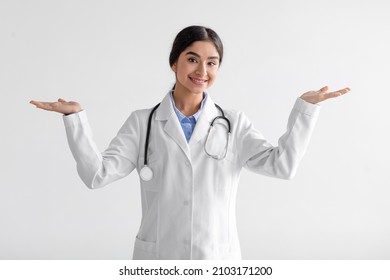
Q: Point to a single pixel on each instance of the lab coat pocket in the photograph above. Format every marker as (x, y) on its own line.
(144, 250)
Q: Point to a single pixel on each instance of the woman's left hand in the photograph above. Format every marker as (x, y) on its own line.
(322, 94)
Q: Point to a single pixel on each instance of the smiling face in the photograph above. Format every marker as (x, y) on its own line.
(196, 68)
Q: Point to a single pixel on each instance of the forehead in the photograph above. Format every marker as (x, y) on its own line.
(203, 48)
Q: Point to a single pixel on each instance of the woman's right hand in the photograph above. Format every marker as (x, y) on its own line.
(60, 106)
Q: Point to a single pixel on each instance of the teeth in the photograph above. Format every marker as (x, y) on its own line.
(198, 80)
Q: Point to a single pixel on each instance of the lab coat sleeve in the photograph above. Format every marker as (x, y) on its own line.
(258, 155)
(97, 169)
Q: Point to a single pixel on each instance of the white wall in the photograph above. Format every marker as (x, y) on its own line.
(112, 57)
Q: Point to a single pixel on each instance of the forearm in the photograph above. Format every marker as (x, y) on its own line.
(282, 161)
(82, 146)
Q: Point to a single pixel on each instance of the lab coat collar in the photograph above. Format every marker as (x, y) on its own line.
(165, 110)
(173, 128)
(209, 112)
(181, 116)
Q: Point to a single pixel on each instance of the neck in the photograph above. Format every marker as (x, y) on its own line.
(187, 102)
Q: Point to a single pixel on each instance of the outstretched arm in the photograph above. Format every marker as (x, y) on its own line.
(258, 155)
(96, 169)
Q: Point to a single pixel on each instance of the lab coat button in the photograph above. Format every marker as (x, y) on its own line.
(186, 241)
(186, 202)
(187, 163)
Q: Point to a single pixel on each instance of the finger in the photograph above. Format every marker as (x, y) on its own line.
(37, 103)
(61, 100)
(342, 91)
(43, 105)
(324, 89)
(337, 93)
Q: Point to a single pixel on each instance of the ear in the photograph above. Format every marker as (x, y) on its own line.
(174, 67)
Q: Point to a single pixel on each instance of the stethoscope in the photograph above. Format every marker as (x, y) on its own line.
(146, 172)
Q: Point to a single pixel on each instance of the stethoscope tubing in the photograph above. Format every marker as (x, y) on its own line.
(148, 134)
(146, 172)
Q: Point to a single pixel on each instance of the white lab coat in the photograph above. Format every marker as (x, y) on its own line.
(188, 208)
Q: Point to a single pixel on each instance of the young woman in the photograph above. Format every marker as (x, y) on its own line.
(189, 153)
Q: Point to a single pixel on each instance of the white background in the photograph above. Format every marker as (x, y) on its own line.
(112, 57)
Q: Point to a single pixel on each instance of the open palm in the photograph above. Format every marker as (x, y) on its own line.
(322, 94)
(60, 106)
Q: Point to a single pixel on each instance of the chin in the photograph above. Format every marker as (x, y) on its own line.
(199, 91)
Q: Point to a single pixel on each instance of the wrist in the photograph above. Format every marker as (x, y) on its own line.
(73, 112)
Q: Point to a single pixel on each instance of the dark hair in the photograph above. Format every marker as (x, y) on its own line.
(190, 35)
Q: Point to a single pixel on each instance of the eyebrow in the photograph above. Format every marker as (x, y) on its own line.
(197, 55)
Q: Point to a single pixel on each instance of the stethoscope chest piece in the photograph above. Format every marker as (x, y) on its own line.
(146, 173)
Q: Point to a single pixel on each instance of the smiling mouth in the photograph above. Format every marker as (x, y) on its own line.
(198, 81)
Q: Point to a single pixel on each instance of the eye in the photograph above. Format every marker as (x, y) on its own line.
(191, 59)
(211, 63)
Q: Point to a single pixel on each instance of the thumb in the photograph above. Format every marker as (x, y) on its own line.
(61, 100)
(324, 89)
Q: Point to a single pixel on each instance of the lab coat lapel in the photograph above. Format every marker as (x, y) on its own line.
(202, 126)
(165, 112)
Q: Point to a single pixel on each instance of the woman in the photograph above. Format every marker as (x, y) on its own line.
(189, 163)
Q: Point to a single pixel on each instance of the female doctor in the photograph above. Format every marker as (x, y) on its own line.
(189, 153)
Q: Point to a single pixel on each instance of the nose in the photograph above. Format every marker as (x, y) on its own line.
(201, 71)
